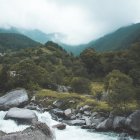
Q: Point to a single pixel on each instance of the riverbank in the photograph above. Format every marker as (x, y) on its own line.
(71, 132)
(72, 110)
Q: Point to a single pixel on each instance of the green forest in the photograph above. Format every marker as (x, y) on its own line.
(111, 79)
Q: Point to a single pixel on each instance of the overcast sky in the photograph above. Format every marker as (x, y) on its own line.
(80, 21)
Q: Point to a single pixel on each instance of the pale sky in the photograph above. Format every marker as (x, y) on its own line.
(79, 21)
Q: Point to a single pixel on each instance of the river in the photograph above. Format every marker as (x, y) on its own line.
(70, 133)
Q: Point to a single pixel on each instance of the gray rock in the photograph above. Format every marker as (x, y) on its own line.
(33, 99)
(105, 125)
(88, 127)
(57, 112)
(34, 107)
(58, 103)
(123, 136)
(96, 121)
(133, 121)
(68, 113)
(95, 115)
(76, 122)
(60, 126)
(86, 107)
(87, 113)
(2, 133)
(14, 98)
(39, 131)
(73, 117)
(119, 122)
(88, 121)
(61, 88)
(21, 115)
(79, 115)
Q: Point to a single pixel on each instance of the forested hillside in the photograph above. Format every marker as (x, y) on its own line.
(118, 40)
(91, 73)
(14, 41)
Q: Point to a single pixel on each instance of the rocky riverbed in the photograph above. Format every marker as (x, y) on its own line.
(32, 119)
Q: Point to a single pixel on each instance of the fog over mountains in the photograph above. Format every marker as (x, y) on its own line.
(117, 40)
(78, 21)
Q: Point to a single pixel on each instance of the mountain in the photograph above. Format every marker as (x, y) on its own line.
(35, 34)
(42, 37)
(121, 39)
(76, 50)
(118, 40)
(15, 41)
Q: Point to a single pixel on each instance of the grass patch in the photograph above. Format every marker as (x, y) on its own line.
(103, 106)
(97, 87)
(74, 100)
(78, 100)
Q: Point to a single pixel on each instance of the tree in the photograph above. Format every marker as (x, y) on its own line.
(28, 73)
(80, 85)
(5, 81)
(92, 62)
(120, 89)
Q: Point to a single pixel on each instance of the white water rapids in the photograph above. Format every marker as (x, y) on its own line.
(70, 133)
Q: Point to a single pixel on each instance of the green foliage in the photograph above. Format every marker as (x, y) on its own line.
(80, 85)
(14, 41)
(97, 89)
(49, 65)
(118, 40)
(103, 106)
(120, 89)
(92, 61)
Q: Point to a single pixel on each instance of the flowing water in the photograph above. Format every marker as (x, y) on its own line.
(70, 133)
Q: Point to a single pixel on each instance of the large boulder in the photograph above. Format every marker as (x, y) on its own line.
(97, 121)
(39, 131)
(21, 115)
(119, 123)
(133, 121)
(14, 98)
(105, 125)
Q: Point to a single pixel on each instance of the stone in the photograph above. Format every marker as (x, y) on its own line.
(123, 136)
(76, 122)
(61, 88)
(33, 99)
(68, 113)
(14, 98)
(58, 103)
(86, 107)
(87, 113)
(96, 121)
(33, 107)
(57, 112)
(133, 121)
(2, 133)
(119, 123)
(105, 125)
(38, 131)
(60, 126)
(21, 115)
(88, 121)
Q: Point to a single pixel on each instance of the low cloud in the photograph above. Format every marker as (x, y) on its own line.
(79, 20)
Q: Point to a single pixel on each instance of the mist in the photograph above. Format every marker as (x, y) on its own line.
(79, 21)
